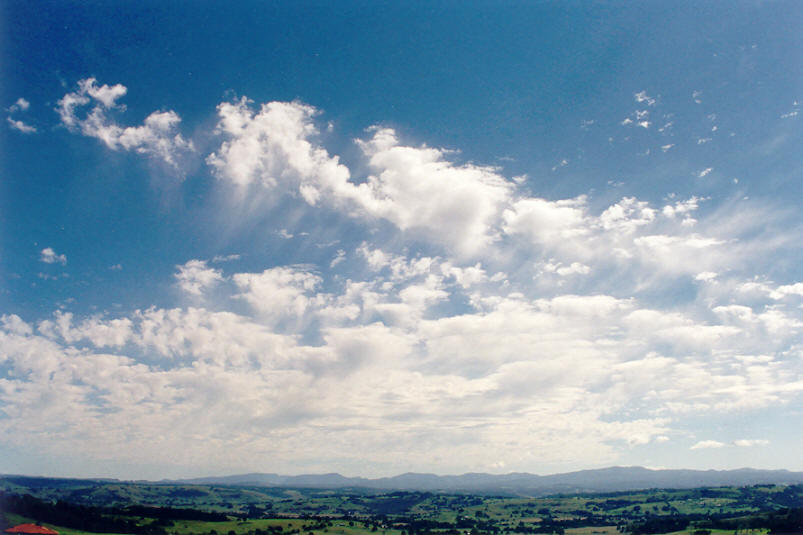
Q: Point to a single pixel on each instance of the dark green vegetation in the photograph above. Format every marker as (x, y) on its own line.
(88, 506)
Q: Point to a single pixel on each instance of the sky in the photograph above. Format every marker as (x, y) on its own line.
(373, 237)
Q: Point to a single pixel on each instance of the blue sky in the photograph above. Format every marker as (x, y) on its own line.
(379, 238)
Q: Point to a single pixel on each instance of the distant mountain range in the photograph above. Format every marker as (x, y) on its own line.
(601, 480)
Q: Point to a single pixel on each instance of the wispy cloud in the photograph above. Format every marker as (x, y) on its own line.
(748, 443)
(708, 444)
(20, 105)
(225, 258)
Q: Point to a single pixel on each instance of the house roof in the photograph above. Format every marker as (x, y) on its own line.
(33, 529)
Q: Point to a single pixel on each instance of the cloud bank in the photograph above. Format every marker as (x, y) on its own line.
(474, 317)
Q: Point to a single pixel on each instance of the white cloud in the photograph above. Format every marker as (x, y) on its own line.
(706, 276)
(157, 137)
(106, 95)
(547, 222)
(20, 105)
(271, 147)
(466, 277)
(747, 443)
(786, 290)
(416, 188)
(14, 325)
(639, 117)
(642, 96)
(87, 88)
(684, 210)
(519, 373)
(563, 163)
(575, 268)
(376, 258)
(628, 235)
(777, 293)
(195, 277)
(627, 215)
(101, 333)
(680, 253)
(708, 444)
(278, 293)
(22, 127)
(705, 172)
(49, 256)
(339, 257)
(789, 114)
(225, 258)
(682, 207)
(558, 346)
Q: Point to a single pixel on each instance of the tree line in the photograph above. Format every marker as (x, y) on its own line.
(97, 519)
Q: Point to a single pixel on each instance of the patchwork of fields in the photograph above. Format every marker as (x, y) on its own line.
(76, 507)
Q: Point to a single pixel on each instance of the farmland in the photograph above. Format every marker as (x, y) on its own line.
(76, 507)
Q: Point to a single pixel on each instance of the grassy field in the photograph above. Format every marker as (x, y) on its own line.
(261, 511)
(240, 527)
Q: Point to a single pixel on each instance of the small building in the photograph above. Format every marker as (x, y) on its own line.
(31, 529)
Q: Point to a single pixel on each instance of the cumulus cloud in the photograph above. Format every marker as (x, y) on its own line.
(786, 290)
(629, 234)
(49, 256)
(416, 188)
(466, 208)
(157, 137)
(195, 277)
(547, 222)
(278, 293)
(475, 317)
(518, 372)
(272, 147)
(627, 215)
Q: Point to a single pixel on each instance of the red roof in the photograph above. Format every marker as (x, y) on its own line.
(32, 528)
